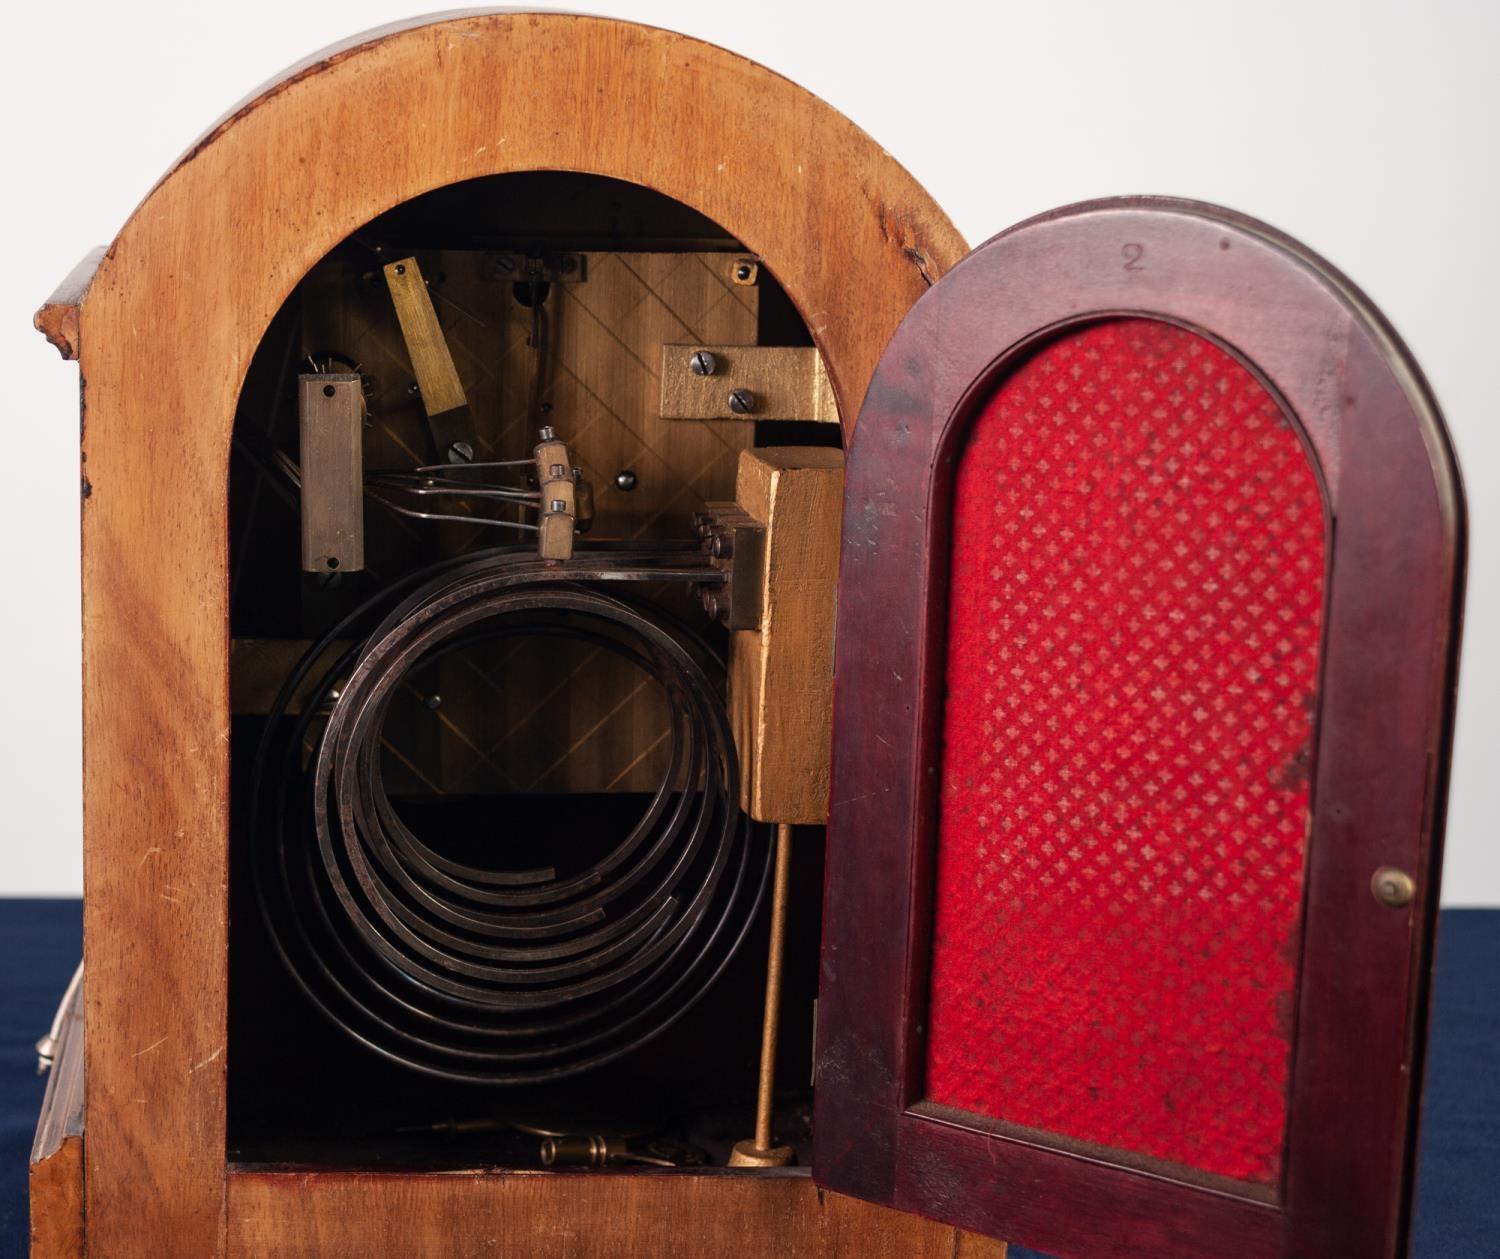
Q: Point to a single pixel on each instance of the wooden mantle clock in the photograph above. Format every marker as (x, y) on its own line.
(476, 597)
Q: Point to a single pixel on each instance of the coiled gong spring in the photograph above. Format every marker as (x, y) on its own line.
(484, 974)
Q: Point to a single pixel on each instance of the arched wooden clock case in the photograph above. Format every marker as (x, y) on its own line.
(1141, 477)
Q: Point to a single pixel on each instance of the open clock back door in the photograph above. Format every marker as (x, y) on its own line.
(1147, 634)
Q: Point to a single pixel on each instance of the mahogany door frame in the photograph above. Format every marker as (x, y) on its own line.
(1392, 602)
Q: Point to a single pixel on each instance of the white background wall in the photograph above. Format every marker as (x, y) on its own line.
(1366, 128)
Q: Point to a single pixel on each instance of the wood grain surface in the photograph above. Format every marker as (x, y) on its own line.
(166, 331)
(781, 675)
(294, 1215)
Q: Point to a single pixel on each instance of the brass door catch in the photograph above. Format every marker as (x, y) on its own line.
(1392, 887)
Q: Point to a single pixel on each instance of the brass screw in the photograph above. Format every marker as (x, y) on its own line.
(1392, 887)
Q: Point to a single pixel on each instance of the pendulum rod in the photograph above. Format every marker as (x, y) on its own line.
(759, 1152)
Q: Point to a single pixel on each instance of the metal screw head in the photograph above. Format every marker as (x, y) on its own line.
(401, 268)
(741, 401)
(625, 480)
(722, 546)
(505, 264)
(703, 363)
(1392, 887)
(547, 433)
(433, 701)
(460, 452)
(744, 272)
(716, 604)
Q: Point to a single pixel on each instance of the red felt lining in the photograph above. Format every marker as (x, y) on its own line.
(1135, 599)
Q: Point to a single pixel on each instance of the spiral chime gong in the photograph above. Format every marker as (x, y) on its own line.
(486, 975)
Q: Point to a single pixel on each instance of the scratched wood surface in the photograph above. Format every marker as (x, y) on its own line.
(165, 333)
(354, 1215)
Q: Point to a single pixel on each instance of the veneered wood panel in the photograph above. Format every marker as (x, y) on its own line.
(166, 332)
(292, 1215)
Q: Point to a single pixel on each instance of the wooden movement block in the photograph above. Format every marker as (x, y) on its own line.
(781, 675)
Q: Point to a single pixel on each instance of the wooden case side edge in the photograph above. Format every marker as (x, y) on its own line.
(57, 318)
(56, 1169)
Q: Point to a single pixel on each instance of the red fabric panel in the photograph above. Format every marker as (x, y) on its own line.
(1136, 593)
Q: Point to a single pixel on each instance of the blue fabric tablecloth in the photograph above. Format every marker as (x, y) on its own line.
(1458, 1185)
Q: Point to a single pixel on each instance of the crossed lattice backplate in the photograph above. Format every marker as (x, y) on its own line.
(536, 715)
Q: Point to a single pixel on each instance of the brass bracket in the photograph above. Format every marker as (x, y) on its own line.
(746, 382)
(735, 543)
